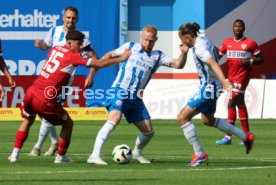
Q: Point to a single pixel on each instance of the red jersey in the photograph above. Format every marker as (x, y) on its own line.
(237, 50)
(59, 66)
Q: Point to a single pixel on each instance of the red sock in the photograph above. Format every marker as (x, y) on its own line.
(62, 146)
(231, 117)
(243, 115)
(20, 138)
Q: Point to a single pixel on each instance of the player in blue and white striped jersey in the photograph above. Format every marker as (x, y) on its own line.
(56, 37)
(204, 101)
(133, 76)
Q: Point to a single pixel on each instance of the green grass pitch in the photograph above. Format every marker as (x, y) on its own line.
(169, 151)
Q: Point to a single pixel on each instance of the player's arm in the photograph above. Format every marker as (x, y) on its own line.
(182, 58)
(41, 44)
(107, 61)
(217, 70)
(2, 92)
(6, 72)
(256, 60)
(89, 80)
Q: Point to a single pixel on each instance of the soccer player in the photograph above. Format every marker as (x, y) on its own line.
(56, 37)
(6, 72)
(242, 52)
(133, 76)
(41, 97)
(212, 81)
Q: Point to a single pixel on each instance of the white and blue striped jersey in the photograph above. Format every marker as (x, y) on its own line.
(56, 37)
(135, 73)
(203, 49)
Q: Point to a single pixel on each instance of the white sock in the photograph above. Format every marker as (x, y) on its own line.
(102, 135)
(15, 152)
(53, 134)
(224, 126)
(228, 137)
(142, 141)
(190, 133)
(43, 133)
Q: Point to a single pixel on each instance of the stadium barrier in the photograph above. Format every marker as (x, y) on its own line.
(82, 113)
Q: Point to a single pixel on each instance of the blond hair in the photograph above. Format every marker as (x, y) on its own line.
(150, 28)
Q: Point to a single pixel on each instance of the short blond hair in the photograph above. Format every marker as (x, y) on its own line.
(150, 28)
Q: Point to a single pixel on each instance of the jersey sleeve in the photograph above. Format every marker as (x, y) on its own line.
(165, 60)
(203, 53)
(255, 48)
(49, 37)
(119, 51)
(222, 49)
(80, 59)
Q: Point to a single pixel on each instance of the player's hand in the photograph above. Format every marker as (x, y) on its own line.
(88, 83)
(125, 55)
(2, 92)
(12, 83)
(226, 85)
(38, 43)
(245, 62)
(184, 48)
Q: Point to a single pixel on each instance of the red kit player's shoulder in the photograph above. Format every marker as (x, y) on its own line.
(249, 40)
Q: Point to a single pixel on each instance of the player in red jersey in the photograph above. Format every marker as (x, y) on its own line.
(41, 97)
(6, 72)
(242, 52)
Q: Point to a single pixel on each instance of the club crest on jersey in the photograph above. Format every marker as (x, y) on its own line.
(119, 102)
(243, 46)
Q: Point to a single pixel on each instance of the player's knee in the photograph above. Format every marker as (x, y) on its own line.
(181, 119)
(150, 133)
(209, 122)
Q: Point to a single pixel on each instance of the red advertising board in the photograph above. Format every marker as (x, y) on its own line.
(13, 97)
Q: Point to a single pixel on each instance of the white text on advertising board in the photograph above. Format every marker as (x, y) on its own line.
(36, 19)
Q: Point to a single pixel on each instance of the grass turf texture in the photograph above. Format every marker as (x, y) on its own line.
(169, 151)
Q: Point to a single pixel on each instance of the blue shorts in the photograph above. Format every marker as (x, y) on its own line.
(133, 109)
(204, 101)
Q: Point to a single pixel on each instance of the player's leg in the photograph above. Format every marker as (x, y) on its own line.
(142, 140)
(43, 133)
(243, 114)
(64, 141)
(190, 133)
(231, 118)
(114, 118)
(53, 136)
(223, 125)
(20, 138)
(29, 114)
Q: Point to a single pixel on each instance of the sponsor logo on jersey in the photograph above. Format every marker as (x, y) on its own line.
(238, 54)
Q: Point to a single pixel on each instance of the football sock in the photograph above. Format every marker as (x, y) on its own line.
(224, 126)
(190, 133)
(62, 146)
(102, 135)
(232, 116)
(243, 115)
(43, 133)
(142, 140)
(20, 138)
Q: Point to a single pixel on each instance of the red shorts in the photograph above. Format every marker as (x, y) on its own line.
(239, 85)
(51, 111)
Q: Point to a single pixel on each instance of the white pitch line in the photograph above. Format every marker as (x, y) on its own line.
(161, 170)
